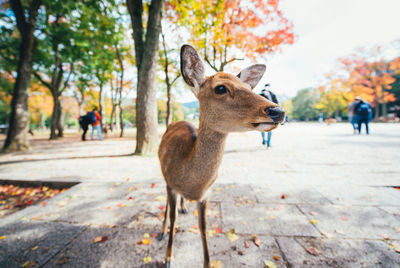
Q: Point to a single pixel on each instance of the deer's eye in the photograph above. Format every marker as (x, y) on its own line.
(220, 90)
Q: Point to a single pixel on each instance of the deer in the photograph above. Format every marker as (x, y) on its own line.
(190, 157)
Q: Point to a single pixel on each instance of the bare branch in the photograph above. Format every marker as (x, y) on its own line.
(46, 84)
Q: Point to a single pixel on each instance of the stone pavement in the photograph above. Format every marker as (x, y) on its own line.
(320, 197)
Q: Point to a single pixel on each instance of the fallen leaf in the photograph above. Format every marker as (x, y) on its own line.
(111, 226)
(395, 246)
(232, 236)
(153, 185)
(216, 264)
(260, 218)
(344, 218)
(271, 217)
(128, 179)
(28, 264)
(120, 205)
(314, 222)
(146, 241)
(62, 260)
(36, 217)
(100, 239)
(35, 248)
(195, 212)
(312, 251)
(160, 198)
(312, 213)
(109, 208)
(385, 236)
(269, 264)
(283, 196)
(276, 258)
(154, 235)
(256, 241)
(218, 230)
(146, 260)
(146, 235)
(246, 244)
(2, 237)
(130, 198)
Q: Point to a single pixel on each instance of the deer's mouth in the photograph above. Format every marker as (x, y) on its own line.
(264, 126)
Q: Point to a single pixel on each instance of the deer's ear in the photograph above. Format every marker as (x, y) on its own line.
(252, 74)
(192, 68)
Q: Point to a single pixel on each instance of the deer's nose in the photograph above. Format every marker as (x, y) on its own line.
(275, 113)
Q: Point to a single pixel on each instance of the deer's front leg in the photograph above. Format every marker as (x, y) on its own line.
(172, 216)
(202, 209)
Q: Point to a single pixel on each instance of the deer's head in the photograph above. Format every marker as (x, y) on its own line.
(227, 102)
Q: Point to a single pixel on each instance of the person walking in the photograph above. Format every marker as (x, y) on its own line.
(269, 95)
(84, 122)
(96, 124)
(364, 115)
(351, 110)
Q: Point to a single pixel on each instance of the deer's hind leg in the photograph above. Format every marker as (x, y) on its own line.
(172, 198)
(164, 224)
(183, 209)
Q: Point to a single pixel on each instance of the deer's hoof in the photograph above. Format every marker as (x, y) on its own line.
(183, 211)
(160, 236)
(167, 264)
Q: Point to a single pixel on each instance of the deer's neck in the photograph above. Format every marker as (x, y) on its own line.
(207, 153)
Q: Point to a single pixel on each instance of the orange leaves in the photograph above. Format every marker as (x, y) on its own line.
(100, 239)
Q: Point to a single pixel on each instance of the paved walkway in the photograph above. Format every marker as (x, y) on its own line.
(321, 197)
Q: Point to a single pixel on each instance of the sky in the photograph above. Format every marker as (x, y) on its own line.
(326, 30)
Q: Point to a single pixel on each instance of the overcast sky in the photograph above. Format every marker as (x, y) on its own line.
(326, 30)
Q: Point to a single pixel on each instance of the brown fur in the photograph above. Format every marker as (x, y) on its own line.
(190, 157)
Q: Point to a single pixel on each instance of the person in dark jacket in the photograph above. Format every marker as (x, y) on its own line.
(84, 122)
(269, 95)
(364, 114)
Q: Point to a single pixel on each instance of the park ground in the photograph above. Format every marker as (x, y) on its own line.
(320, 197)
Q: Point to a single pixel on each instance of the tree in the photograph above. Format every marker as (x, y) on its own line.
(168, 65)
(146, 47)
(227, 31)
(370, 75)
(304, 104)
(335, 96)
(25, 18)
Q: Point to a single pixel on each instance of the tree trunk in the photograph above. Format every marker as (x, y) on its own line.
(121, 120)
(17, 139)
(54, 118)
(146, 60)
(60, 120)
(112, 117)
(101, 106)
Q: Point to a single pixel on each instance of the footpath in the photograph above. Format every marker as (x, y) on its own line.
(320, 197)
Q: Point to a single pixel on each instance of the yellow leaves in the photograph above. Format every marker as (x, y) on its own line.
(160, 198)
(216, 264)
(3, 237)
(232, 236)
(314, 222)
(146, 241)
(146, 260)
(269, 264)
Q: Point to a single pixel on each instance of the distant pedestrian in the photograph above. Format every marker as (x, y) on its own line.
(266, 93)
(84, 122)
(96, 124)
(351, 109)
(364, 114)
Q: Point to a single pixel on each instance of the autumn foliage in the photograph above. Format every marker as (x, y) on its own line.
(365, 74)
(226, 31)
